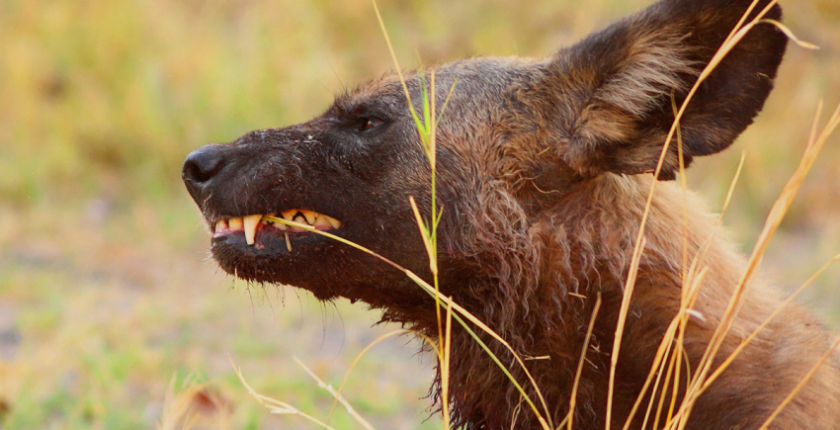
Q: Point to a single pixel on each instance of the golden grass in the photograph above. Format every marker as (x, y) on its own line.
(356, 361)
(277, 406)
(693, 277)
(692, 283)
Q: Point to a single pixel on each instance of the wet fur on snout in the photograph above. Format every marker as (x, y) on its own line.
(543, 172)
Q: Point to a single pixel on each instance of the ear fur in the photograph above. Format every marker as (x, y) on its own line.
(614, 89)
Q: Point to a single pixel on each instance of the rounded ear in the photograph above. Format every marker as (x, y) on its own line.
(614, 91)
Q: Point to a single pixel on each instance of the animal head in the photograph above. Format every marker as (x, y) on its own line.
(516, 137)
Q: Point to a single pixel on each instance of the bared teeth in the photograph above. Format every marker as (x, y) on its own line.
(336, 224)
(250, 223)
(322, 223)
(301, 220)
(310, 217)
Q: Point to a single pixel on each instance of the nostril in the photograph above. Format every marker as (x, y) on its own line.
(197, 172)
(203, 163)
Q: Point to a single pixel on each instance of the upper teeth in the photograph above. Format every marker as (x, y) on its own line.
(249, 223)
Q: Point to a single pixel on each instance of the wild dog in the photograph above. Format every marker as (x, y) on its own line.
(543, 168)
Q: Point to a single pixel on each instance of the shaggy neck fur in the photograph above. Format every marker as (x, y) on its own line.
(538, 286)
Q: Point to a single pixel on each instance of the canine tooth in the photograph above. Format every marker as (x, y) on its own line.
(321, 222)
(310, 216)
(298, 219)
(333, 222)
(250, 223)
(221, 225)
(235, 224)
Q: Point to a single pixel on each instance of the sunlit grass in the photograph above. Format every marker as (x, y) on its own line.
(692, 279)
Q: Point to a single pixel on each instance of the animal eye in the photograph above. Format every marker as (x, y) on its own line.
(371, 123)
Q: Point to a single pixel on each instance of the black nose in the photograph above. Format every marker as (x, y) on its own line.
(203, 163)
(201, 166)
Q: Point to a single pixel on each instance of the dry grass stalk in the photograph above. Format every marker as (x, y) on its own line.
(355, 362)
(459, 312)
(178, 413)
(800, 385)
(671, 352)
(273, 405)
(774, 219)
(573, 400)
(735, 36)
(427, 131)
(338, 397)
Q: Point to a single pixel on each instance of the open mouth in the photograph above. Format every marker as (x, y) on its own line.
(249, 224)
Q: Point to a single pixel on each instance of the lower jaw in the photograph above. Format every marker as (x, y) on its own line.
(267, 239)
(272, 262)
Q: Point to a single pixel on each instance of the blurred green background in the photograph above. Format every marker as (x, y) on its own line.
(106, 288)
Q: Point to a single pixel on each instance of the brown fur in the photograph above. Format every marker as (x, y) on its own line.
(543, 173)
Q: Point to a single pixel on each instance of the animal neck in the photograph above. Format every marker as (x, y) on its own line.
(542, 283)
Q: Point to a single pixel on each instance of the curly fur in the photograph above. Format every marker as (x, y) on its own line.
(543, 169)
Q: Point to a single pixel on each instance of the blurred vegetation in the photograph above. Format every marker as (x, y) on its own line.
(105, 286)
